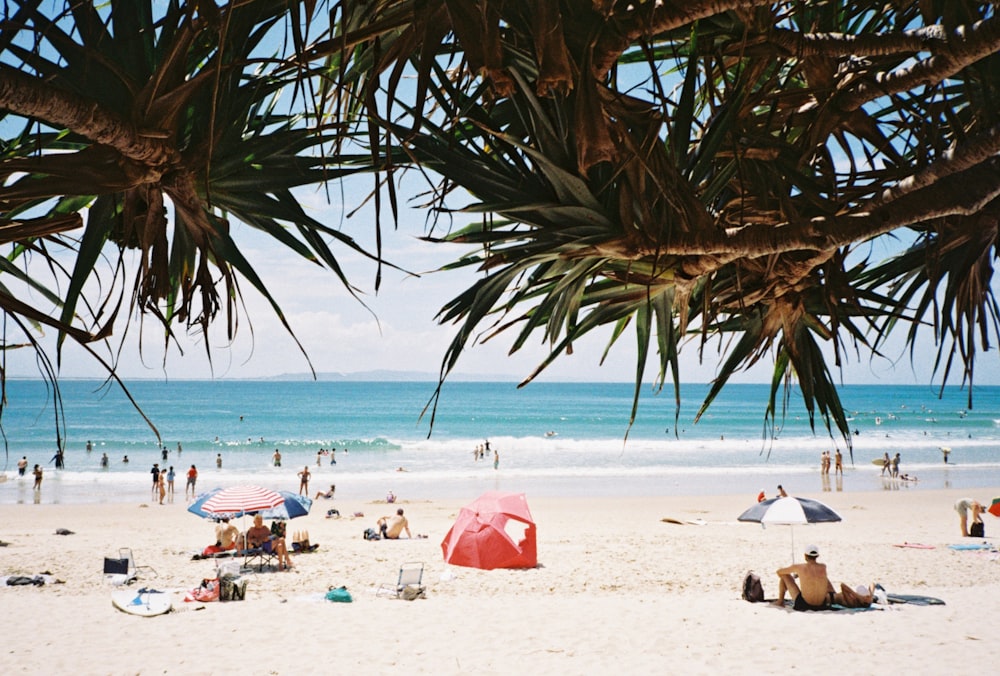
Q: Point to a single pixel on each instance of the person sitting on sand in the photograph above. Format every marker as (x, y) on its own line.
(781, 492)
(328, 495)
(813, 590)
(226, 535)
(391, 527)
(260, 536)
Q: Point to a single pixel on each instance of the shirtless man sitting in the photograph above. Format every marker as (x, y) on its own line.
(813, 590)
(391, 527)
(226, 535)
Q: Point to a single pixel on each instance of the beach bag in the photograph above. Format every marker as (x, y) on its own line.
(976, 530)
(208, 590)
(339, 595)
(411, 592)
(753, 590)
(372, 534)
(232, 589)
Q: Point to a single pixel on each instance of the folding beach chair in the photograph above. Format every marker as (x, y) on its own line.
(259, 557)
(408, 584)
(116, 571)
(125, 553)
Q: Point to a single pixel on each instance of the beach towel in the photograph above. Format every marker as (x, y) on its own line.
(976, 546)
(915, 600)
(833, 608)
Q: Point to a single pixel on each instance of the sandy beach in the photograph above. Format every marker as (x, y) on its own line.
(618, 590)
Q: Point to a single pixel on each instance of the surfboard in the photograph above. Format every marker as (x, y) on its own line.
(914, 545)
(145, 603)
(878, 461)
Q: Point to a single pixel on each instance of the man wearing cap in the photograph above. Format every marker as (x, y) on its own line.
(813, 590)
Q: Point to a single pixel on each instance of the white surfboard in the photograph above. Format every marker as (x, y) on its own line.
(145, 603)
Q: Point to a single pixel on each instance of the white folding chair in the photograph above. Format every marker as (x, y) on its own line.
(410, 575)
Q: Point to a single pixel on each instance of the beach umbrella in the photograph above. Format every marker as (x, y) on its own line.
(790, 511)
(196, 505)
(995, 507)
(293, 507)
(479, 537)
(235, 501)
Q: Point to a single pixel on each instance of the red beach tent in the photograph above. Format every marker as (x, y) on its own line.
(480, 539)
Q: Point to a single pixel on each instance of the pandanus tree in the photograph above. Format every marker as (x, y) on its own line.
(716, 175)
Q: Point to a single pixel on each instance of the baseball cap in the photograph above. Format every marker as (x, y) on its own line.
(812, 550)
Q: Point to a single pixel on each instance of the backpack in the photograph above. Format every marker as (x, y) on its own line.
(753, 590)
(372, 534)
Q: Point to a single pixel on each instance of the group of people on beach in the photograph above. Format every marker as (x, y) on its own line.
(163, 482)
(838, 461)
(890, 466)
(482, 450)
(258, 537)
(810, 588)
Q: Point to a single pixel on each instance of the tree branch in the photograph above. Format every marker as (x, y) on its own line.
(799, 45)
(31, 97)
(965, 46)
(622, 31)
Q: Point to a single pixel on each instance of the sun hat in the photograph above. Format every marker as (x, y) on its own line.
(812, 550)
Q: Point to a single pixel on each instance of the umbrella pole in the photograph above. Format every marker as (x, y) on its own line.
(791, 529)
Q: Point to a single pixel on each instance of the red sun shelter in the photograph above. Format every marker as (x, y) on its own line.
(481, 536)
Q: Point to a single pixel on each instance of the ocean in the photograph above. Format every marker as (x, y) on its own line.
(552, 439)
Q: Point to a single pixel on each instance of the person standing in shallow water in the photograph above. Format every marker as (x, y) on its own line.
(304, 481)
(496, 459)
(161, 486)
(192, 479)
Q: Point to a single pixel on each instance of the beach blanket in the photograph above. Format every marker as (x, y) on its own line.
(835, 608)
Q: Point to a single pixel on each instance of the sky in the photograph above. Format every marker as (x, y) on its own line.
(397, 330)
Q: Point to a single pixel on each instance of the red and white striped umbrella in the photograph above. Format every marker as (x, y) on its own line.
(242, 499)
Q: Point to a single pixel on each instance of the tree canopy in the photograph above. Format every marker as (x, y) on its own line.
(707, 175)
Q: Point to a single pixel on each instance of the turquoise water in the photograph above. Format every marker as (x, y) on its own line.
(553, 439)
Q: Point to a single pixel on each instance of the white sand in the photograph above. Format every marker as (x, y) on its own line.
(617, 591)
